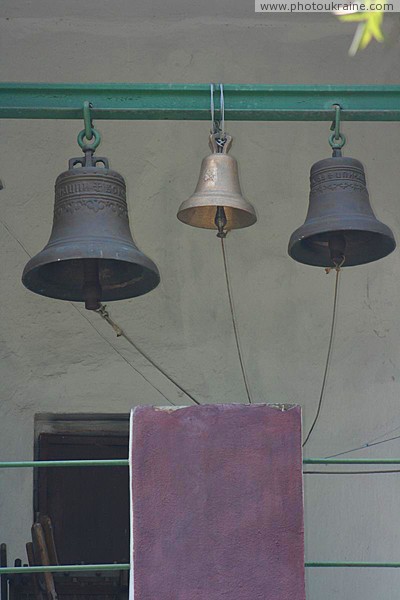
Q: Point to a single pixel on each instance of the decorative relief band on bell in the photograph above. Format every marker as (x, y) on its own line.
(332, 187)
(90, 204)
(90, 187)
(329, 175)
(334, 179)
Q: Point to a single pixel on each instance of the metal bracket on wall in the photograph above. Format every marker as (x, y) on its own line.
(181, 101)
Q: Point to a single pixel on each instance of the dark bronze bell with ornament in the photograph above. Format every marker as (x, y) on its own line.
(217, 202)
(91, 256)
(340, 227)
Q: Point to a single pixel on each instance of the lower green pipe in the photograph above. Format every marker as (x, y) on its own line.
(66, 568)
(367, 565)
(126, 567)
(115, 462)
(124, 462)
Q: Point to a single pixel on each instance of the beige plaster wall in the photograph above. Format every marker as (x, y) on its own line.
(58, 358)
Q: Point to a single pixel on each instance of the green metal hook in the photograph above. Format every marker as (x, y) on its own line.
(87, 120)
(337, 139)
(89, 132)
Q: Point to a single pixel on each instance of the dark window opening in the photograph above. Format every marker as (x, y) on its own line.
(88, 506)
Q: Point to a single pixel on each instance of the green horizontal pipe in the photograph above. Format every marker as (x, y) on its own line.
(351, 461)
(118, 462)
(124, 462)
(366, 565)
(125, 567)
(182, 101)
(65, 568)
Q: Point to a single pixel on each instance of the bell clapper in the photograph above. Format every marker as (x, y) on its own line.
(91, 285)
(337, 246)
(220, 221)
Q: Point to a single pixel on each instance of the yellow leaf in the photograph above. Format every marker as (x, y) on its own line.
(375, 26)
(365, 38)
(370, 29)
(352, 17)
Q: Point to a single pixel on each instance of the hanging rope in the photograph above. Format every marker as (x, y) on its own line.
(328, 356)
(234, 322)
(104, 314)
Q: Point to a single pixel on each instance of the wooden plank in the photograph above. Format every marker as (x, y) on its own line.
(3, 578)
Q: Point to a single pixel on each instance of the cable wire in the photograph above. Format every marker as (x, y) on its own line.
(104, 314)
(123, 357)
(367, 445)
(328, 356)
(234, 322)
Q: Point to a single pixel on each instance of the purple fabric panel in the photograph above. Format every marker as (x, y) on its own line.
(217, 503)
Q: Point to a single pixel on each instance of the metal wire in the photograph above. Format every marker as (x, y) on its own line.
(104, 314)
(123, 357)
(217, 125)
(328, 357)
(234, 322)
(367, 445)
(212, 107)
(222, 109)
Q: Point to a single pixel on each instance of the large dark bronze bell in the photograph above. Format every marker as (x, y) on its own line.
(91, 256)
(217, 202)
(340, 227)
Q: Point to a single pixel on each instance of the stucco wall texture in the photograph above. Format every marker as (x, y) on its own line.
(58, 358)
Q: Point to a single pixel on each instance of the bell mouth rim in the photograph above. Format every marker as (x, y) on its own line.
(303, 253)
(183, 215)
(32, 280)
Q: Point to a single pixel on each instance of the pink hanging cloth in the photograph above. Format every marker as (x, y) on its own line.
(217, 503)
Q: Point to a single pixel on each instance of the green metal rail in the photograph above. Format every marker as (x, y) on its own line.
(125, 567)
(124, 462)
(66, 568)
(181, 101)
(116, 462)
